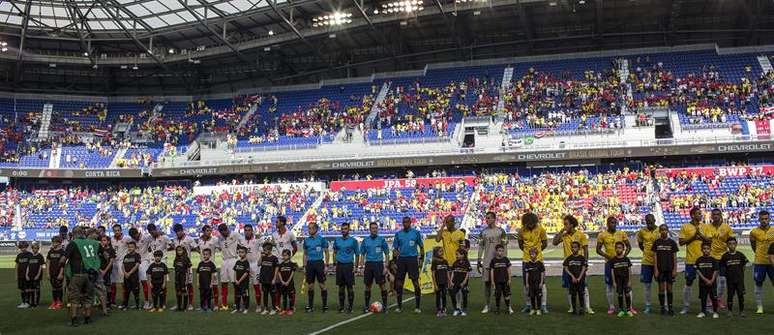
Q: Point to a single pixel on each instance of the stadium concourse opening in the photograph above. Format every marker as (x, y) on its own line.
(461, 166)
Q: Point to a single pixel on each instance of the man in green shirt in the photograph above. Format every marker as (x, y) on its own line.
(81, 266)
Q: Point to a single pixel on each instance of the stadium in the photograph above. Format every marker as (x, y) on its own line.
(189, 124)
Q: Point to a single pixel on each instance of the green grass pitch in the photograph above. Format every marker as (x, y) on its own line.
(43, 321)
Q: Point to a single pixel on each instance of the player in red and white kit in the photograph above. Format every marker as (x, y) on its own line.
(253, 245)
(152, 242)
(207, 241)
(120, 242)
(283, 239)
(228, 243)
(181, 239)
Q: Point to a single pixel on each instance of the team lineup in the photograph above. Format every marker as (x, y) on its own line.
(89, 267)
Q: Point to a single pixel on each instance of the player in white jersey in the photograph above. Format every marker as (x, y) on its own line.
(228, 243)
(181, 239)
(283, 238)
(207, 241)
(253, 244)
(152, 242)
(120, 245)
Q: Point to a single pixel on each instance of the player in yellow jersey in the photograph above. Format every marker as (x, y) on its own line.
(761, 238)
(532, 236)
(719, 232)
(692, 235)
(569, 234)
(606, 241)
(645, 238)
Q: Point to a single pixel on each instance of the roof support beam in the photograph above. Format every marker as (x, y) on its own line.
(22, 37)
(126, 31)
(525, 24)
(79, 19)
(449, 25)
(273, 5)
(212, 31)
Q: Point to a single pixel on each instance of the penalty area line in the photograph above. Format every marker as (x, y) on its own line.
(339, 324)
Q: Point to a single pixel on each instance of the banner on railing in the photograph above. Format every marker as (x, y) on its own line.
(722, 171)
(398, 183)
(763, 128)
(246, 188)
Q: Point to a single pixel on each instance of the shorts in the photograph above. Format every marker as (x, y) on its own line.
(690, 274)
(33, 284)
(608, 275)
(117, 275)
(143, 270)
(503, 288)
(22, 283)
(761, 271)
(345, 274)
(254, 273)
(227, 274)
(407, 265)
(80, 291)
(373, 271)
(665, 277)
(567, 282)
(646, 274)
(315, 270)
(56, 284)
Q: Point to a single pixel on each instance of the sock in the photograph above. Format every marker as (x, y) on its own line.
(367, 298)
(488, 292)
(686, 296)
(586, 298)
(628, 299)
(571, 300)
(310, 298)
(621, 301)
(145, 290)
(24, 297)
(648, 294)
(215, 295)
(179, 298)
(341, 297)
(417, 296)
(610, 296)
(670, 298)
(186, 301)
(527, 300)
(758, 295)
(384, 298)
(350, 296)
(224, 294)
(721, 288)
(544, 297)
(661, 300)
(324, 295)
(741, 303)
(112, 295)
(189, 287)
(237, 298)
(257, 292)
(399, 295)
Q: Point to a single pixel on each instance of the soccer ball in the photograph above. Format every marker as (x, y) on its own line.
(376, 307)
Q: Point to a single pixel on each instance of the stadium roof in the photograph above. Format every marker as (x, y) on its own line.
(206, 46)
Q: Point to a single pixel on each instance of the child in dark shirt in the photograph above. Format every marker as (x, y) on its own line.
(732, 265)
(182, 266)
(285, 273)
(131, 265)
(459, 283)
(620, 266)
(35, 274)
(575, 267)
(440, 280)
(56, 272)
(500, 272)
(21, 263)
(242, 271)
(267, 278)
(157, 272)
(665, 268)
(535, 274)
(707, 270)
(206, 272)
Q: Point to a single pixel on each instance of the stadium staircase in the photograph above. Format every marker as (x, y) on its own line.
(623, 76)
(120, 153)
(505, 84)
(45, 121)
(247, 116)
(55, 159)
(301, 223)
(765, 64)
(375, 108)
